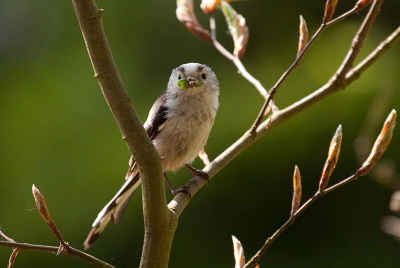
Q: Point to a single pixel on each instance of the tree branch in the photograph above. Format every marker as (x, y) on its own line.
(160, 223)
(253, 261)
(381, 144)
(180, 201)
(273, 90)
(72, 252)
(358, 41)
(238, 63)
(373, 56)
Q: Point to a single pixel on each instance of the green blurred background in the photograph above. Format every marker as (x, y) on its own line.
(57, 132)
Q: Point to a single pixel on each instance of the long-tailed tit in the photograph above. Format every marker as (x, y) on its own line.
(178, 124)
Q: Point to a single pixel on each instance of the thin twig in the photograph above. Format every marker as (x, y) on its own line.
(273, 90)
(343, 16)
(15, 250)
(253, 261)
(72, 252)
(13, 257)
(358, 42)
(6, 238)
(241, 69)
(374, 55)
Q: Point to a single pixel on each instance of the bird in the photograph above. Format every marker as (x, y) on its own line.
(179, 124)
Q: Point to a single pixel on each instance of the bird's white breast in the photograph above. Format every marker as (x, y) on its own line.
(187, 129)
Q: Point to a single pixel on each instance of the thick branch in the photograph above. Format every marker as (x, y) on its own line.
(71, 252)
(160, 223)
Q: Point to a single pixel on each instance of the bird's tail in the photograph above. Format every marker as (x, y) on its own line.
(113, 210)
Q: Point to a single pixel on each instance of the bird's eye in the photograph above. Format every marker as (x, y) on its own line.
(179, 76)
(203, 75)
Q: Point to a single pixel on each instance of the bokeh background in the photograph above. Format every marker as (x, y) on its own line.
(56, 132)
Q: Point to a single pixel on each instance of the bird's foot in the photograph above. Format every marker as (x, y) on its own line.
(183, 189)
(198, 172)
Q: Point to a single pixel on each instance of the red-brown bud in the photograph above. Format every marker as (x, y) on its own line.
(297, 190)
(185, 14)
(333, 157)
(330, 7)
(380, 145)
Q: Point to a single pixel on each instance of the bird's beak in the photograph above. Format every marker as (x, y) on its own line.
(191, 81)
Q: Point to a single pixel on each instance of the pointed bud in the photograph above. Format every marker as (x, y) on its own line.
(238, 252)
(237, 28)
(297, 190)
(330, 7)
(303, 35)
(41, 204)
(333, 157)
(361, 4)
(185, 14)
(42, 207)
(380, 145)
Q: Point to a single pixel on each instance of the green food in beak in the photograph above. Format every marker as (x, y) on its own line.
(182, 83)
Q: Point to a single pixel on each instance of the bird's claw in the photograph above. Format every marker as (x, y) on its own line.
(183, 189)
(198, 172)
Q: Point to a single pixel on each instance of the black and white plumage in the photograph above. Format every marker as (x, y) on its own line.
(179, 124)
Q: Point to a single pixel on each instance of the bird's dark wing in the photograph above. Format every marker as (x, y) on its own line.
(158, 115)
(115, 208)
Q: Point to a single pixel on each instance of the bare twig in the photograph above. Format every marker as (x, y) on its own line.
(14, 252)
(381, 144)
(72, 252)
(373, 56)
(241, 69)
(358, 42)
(300, 55)
(64, 247)
(6, 238)
(253, 261)
(13, 257)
